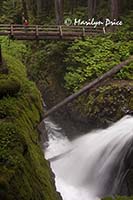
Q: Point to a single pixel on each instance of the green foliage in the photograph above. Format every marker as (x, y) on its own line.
(127, 20)
(11, 11)
(106, 103)
(118, 198)
(16, 49)
(11, 136)
(79, 13)
(89, 59)
(15, 67)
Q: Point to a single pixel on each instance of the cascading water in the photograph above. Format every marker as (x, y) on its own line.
(90, 166)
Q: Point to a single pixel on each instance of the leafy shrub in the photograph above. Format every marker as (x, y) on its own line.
(89, 59)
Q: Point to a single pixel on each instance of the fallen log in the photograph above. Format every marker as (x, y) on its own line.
(70, 98)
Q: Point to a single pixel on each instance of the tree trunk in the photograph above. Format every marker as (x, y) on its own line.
(25, 12)
(39, 7)
(59, 11)
(114, 9)
(73, 5)
(0, 55)
(92, 8)
(106, 75)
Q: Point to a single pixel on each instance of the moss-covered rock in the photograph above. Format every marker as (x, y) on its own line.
(107, 103)
(24, 173)
(9, 87)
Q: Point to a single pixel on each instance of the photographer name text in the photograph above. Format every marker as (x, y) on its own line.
(92, 22)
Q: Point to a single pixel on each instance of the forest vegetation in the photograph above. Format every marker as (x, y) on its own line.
(54, 11)
(59, 68)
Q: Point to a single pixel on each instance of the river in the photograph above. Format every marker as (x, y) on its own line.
(90, 166)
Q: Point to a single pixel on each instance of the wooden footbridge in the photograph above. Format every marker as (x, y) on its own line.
(48, 32)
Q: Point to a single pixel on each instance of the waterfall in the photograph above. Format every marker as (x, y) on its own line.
(91, 166)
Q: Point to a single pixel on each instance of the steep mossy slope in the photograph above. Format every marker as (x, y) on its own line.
(24, 173)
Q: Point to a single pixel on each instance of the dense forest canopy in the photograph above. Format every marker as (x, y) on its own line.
(54, 11)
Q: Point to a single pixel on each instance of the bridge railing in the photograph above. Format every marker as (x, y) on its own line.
(48, 31)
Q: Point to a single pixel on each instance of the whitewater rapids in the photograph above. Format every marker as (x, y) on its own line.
(91, 166)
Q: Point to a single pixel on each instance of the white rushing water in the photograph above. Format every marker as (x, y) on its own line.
(90, 166)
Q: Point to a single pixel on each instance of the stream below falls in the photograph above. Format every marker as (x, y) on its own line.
(90, 166)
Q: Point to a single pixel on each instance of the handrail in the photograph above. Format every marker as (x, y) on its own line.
(19, 31)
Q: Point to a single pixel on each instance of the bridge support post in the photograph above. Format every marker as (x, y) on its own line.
(1, 60)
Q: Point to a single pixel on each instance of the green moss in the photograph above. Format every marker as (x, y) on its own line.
(118, 198)
(106, 103)
(24, 173)
(9, 87)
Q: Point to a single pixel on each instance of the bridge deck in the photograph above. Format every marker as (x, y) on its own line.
(40, 32)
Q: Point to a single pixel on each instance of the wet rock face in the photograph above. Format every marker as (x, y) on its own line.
(129, 177)
(127, 184)
(130, 181)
